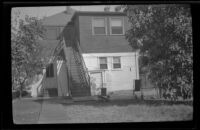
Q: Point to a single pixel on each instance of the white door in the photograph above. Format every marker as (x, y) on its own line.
(96, 83)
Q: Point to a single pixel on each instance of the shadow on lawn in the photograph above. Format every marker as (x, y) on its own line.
(127, 102)
(54, 100)
(119, 102)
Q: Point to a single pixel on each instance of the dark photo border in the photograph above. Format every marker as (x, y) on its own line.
(6, 114)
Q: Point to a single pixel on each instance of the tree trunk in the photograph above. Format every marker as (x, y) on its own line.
(21, 87)
(160, 92)
(20, 91)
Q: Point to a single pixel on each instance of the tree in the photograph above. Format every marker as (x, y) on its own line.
(163, 34)
(25, 49)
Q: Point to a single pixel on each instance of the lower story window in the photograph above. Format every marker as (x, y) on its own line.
(116, 62)
(103, 62)
(49, 71)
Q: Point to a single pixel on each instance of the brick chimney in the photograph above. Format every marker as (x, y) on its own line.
(68, 9)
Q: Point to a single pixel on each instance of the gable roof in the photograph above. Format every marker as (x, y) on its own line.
(48, 47)
(59, 19)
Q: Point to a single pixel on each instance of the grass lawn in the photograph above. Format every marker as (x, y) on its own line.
(127, 111)
(26, 111)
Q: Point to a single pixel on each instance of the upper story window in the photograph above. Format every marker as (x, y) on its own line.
(99, 26)
(50, 71)
(103, 62)
(116, 62)
(116, 26)
(52, 33)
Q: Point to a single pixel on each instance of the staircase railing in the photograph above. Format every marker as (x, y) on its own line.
(52, 57)
(83, 69)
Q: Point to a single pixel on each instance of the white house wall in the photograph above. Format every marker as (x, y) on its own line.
(122, 79)
(62, 78)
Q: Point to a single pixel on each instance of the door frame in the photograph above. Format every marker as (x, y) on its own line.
(102, 77)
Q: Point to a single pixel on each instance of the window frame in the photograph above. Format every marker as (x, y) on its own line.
(105, 21)
(100, 63)
(58, 30)
(113, 63)
(110, 27)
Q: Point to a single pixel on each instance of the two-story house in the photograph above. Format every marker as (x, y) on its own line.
(54, 74)
(98, 38)
(90, 53)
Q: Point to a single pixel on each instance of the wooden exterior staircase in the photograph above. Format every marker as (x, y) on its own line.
(80, 80)
(78, 74)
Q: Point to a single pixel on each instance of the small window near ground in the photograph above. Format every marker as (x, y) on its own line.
(50, 71)
(116, 26)
(116, 63)
(99, 26)
(103, 63)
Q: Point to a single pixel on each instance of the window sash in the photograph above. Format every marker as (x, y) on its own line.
(99, 22)
(117, 30)
(116, 26)
(99, 30)
(103, 66)
(103, 60)
(116, 65)
(99, 26)
(116, 22)
(116, 62)
(103, 63)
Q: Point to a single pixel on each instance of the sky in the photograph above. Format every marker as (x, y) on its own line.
(51, 10)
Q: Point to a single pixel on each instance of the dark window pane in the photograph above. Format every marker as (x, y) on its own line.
(103, 66)
(117, 65)
(99, 30)
(47, 72)
(50, 71)
(117, 30)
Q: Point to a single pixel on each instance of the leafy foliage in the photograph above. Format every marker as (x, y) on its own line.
(163, 34)
(25, 49)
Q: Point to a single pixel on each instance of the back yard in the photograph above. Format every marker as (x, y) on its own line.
(26, 111)
(35, 111)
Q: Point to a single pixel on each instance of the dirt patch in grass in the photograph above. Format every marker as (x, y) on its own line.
(126, 111)
(26, 111)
